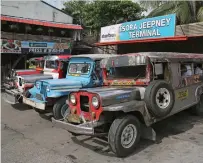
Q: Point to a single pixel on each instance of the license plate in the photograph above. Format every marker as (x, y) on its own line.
(74, 118)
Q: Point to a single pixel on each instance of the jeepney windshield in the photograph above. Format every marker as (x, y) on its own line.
(52, 64)
(79, 68)
(40, 64)
(126, 72)
(32, 64)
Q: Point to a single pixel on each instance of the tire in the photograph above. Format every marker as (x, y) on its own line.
(159, 98)
(60, 108)
(27, 94)
(116, 131)
(198, 109)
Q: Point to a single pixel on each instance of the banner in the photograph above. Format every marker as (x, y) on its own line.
(156, 27)
(46, 47)
(10, 46)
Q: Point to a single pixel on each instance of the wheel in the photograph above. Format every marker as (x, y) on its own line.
(124, 134)
(60, 108)
(39, 111)
(159, 98)
(198, 109)
(27, 94)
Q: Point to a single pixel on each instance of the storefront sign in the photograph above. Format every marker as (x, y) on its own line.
(10, 46)
(156, 27)
(46, 47)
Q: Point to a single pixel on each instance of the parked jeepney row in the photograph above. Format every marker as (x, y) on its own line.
(115, 96)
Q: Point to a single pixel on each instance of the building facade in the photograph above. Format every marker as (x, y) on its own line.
(32, 29)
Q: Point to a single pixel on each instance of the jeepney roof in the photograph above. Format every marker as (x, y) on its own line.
(36, 59)
(57, 57)
(132, 59)
(94, 56)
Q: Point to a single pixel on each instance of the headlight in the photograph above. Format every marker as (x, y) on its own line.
(37, 85)
(47, 88)
(73, 99)
(95, 102)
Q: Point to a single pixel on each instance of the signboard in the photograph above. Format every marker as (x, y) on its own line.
(10, 46)
(156, 27)
(46, 47)
(110, 33)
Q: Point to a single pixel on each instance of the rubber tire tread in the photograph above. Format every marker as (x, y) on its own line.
(59, 103)
(113, 134)
(151, 105)
(27, 94)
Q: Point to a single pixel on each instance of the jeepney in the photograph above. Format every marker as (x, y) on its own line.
(54, 67)
(140, 90)
(83, 71)
(34, 63)
(10, 80)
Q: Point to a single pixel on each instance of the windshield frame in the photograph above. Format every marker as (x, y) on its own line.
(127, 81)
(48, 68)
(80, 74)
(131, 77)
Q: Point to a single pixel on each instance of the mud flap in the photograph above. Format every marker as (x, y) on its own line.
(148, 133)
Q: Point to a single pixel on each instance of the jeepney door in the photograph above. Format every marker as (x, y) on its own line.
(96, 74)
(184, 91)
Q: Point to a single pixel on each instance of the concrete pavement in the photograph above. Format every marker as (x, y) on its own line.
(30, 138)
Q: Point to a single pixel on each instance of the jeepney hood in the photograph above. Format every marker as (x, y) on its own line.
(35, 77)
(62, 83)
(23, 70)
(26, 72)
(115, 95)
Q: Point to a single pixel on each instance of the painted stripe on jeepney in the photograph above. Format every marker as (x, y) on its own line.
(59, 88)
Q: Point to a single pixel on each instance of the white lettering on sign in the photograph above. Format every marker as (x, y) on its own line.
(45, 50)
(157, 27)
(147, 24)
(144, 33)
(146, 28)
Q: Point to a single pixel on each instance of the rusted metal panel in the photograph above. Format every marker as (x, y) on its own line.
(193, 29)
(132, 59)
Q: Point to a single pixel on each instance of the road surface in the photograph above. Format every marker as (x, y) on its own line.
(28, 137)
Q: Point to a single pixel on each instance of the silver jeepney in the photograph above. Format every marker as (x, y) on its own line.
(172, 82)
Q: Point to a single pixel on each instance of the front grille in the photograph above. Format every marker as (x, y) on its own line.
(20, 82)
(84, 103)
(39, 97)
(43, 89)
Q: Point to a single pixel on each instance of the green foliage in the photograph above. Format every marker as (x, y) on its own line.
(96, 14)
(186, 11)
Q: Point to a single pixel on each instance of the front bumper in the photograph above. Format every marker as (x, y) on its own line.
(34, 103)
(12, 96)
(87, 128)
(8, 86)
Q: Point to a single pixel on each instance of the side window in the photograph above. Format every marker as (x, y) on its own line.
(198, 67)
(186, 69)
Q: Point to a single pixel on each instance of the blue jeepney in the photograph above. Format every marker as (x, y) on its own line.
(83, 72)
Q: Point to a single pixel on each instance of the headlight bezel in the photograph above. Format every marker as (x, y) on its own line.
(48, 88)
(37, 85)
(71, 99)
(95, 99)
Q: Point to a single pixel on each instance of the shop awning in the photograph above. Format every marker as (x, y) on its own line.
(176, 38)
(40, 22)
